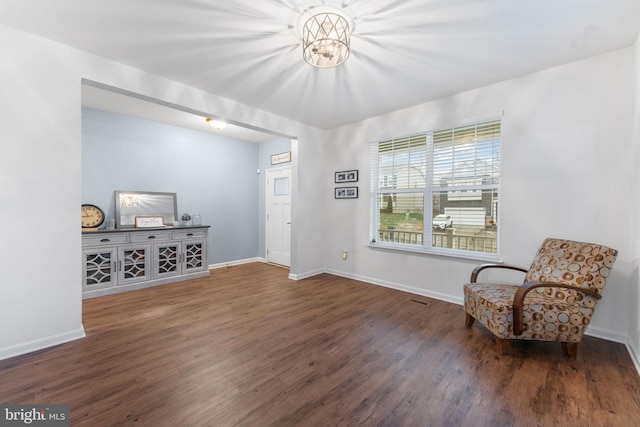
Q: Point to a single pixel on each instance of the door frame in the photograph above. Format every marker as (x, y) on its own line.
(268, 205)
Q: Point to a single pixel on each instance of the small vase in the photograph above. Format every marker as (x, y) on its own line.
(186, 223)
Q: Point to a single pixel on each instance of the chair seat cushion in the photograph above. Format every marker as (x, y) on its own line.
(545, 318)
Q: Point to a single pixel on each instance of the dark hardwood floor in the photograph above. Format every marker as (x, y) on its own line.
(248, 347)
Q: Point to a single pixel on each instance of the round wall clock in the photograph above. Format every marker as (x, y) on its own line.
(92, 216)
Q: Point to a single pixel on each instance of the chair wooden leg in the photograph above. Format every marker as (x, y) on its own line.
(570, 349)
(503, 345)
(468, 321)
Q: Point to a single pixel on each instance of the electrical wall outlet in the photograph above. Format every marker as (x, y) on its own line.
(344, 255)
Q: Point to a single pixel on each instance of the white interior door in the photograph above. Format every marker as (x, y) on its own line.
(279, 216)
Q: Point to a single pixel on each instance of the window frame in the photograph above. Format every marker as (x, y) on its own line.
(428, 192)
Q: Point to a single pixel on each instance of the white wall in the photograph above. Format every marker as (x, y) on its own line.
(634, 252)
(39, 195)
(566, 172)
(40, 176)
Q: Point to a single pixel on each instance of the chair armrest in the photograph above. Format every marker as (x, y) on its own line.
(518, 300)
(478, 269)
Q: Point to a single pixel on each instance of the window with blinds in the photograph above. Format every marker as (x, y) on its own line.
(438, 190)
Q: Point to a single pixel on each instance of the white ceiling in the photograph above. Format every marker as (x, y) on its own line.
(404, 52)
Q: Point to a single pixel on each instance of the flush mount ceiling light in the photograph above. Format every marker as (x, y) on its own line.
(216, 124)
(326, 37)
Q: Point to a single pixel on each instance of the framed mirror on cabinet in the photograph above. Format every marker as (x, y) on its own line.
(132, 204)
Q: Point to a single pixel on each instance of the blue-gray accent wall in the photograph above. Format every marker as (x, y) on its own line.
(214, 176)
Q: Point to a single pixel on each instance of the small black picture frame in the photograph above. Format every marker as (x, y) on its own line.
(346, 176)
(346, 192)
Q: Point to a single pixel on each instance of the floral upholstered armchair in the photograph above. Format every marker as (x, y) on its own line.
(555, 302)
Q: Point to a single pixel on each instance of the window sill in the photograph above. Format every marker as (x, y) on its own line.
(476, 256)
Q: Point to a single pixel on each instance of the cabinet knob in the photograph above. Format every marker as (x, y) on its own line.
(105, 240)
(152, 237)
(189, 234)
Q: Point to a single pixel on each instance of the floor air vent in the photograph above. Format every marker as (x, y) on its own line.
(417, 301)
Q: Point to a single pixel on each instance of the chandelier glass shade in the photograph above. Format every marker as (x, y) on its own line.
(325, 40)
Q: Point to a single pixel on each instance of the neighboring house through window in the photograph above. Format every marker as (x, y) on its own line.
(437, 191)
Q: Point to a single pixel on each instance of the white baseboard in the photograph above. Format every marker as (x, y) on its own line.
(605, 334)
(236, 262)
(400, 287)
(264, 260)
(306, 275)
(619, 338)
(634, 354)
(39, 344)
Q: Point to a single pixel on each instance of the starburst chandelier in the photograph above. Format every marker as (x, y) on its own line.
(325, 40)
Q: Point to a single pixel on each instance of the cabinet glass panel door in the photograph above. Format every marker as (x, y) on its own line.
(193, 256)
(98, 269)
(167, 261)
(133, 264)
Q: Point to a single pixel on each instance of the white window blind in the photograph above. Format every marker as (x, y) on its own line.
(438, 190)
(402, 163)
(468, 156)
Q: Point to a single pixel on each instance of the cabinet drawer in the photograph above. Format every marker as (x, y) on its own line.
(104, 239)
(188, 234)
(150, 236)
